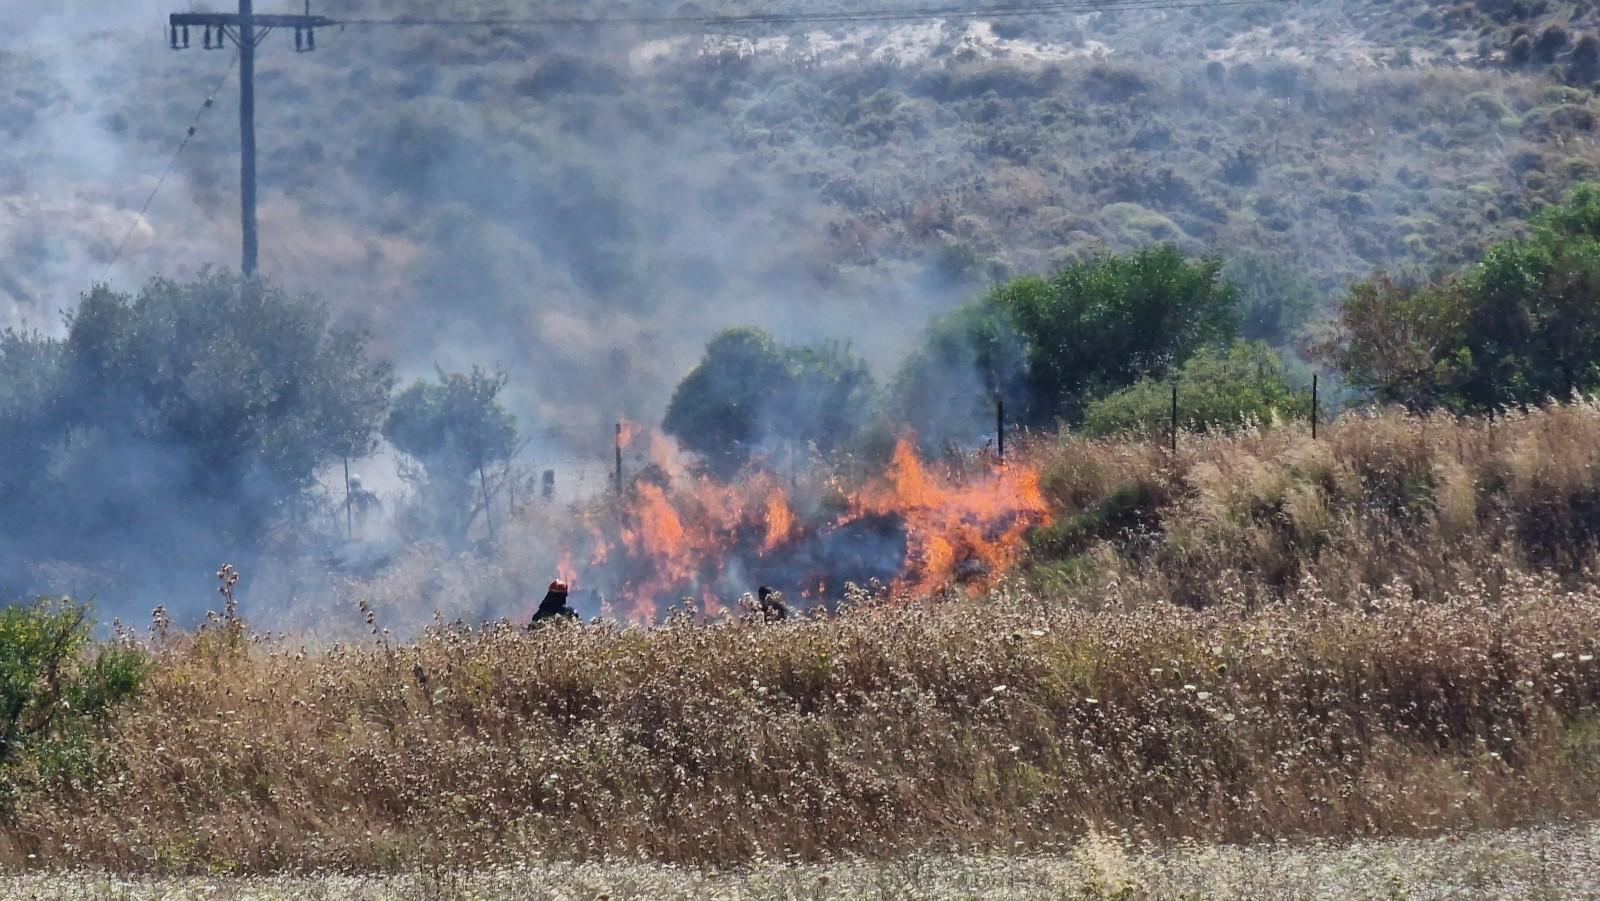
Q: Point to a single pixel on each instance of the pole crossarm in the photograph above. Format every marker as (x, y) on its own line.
(234, 20)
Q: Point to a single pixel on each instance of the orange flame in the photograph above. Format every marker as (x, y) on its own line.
(984, 520)
(566, 571)
(779, 519)
(675, 534)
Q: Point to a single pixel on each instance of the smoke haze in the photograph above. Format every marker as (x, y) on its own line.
(585, 208)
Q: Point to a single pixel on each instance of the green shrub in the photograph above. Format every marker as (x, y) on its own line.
(1489, 106)
(1047, 346)
(50, 680)
(1216, 391)
(1132, 225)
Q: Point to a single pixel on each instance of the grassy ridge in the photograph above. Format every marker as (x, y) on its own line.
(1429, 505)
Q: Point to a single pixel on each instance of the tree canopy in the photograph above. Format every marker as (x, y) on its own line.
(187, 415)
(1519, 327)
(1050, 346)
(749, 395)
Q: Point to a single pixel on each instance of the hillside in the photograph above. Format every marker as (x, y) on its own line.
(585, 207)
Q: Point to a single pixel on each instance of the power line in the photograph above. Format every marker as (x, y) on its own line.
(171, 161)
(842, 16)
(246, 29)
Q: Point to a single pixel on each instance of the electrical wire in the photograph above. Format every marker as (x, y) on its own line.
(1003, 10)
(172, 161)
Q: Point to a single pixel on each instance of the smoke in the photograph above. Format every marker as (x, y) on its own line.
(585, 209)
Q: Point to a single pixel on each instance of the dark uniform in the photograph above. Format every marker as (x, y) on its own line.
(554, 605)
(772, 606)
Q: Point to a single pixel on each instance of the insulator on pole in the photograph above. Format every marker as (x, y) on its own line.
(208, 37)
(186, 36)
(311, 39)
(299, 39)
(174, 30)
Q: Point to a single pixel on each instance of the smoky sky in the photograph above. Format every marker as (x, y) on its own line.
(585, 208)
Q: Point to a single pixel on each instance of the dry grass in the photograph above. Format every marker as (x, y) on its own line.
(1392, 634)
(1018, 722)
(1425, 504)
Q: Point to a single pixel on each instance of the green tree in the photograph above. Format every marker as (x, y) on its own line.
(455, 428)
(1520, 327)
(1049, 346)
(178, 422)
(1217, 391)
(1400, 339)
(751, 395)
(1532, 328)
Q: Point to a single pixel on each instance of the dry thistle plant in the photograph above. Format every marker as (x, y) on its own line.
(1016, 723)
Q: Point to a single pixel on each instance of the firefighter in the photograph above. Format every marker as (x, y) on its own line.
(554, 604)
(771, 603)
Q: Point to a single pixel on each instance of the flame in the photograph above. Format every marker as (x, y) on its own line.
(676, 534)
(950, 522)
(779, 519)
(627, 431)
(566, 570)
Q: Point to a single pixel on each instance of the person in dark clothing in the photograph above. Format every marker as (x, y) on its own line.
(554, 605)
(772, 607)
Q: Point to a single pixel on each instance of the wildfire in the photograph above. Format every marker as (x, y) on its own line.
(678, 535)
(979, 524)
(779, 519)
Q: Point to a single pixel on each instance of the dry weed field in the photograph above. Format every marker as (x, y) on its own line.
(1007, 722)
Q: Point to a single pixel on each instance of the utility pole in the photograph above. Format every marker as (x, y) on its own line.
(247, 30)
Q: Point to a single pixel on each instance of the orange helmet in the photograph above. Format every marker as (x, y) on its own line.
(559, 585)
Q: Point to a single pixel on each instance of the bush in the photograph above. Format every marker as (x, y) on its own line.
(48, 681)
(1551, 41)
(1585, 63)
(1217, 391)
(1520, 53)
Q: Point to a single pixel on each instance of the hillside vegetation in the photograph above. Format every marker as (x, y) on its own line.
(588, 207)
